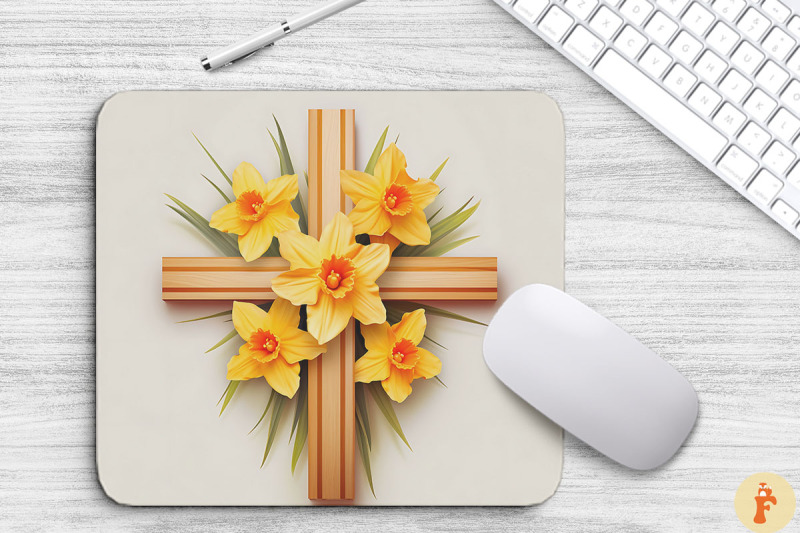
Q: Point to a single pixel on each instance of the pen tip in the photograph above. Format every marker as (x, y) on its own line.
(205, 63)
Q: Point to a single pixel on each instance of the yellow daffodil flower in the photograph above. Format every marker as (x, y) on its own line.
(389, 205)
(274, 346)
(334, 276)
(394, 357)
(261, 210)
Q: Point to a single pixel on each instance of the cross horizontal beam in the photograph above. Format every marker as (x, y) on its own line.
(407, 278)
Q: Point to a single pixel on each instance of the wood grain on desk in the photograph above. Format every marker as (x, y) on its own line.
(654, 242)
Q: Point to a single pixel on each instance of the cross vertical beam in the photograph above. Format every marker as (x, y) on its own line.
(331, 388)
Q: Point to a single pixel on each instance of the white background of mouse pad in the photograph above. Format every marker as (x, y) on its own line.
(160, 440)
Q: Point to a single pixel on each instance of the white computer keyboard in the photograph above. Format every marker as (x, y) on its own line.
(719, 77)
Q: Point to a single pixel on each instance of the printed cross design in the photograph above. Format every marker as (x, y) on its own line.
(331, 387)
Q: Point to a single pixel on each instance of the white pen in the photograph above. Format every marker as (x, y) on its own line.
(254, 43)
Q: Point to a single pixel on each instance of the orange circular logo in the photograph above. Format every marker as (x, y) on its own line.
(765, 503)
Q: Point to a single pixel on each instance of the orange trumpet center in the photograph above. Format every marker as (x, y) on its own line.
(338, 275)
(397, 200)
(405, 354)
(265, 345)
(251, 206)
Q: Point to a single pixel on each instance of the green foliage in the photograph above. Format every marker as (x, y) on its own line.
(376, 153)
(224, 242)
(213, 160)
(225, 339)
(384, 403)
(230, 390)
(440, 231)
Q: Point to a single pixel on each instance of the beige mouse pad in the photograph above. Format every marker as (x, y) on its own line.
(160, 437)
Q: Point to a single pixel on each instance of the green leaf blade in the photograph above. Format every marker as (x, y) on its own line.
(213, 160)
(376, 153)
(384, 403)
(230, 390)
(225, 339)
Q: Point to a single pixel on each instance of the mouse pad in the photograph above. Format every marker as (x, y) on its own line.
(173, 430)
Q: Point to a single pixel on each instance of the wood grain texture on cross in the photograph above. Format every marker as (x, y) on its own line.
(331, 387)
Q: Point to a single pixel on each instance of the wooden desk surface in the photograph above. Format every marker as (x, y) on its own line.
(654, 242)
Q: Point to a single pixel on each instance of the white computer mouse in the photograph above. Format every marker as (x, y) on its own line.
(590, 377)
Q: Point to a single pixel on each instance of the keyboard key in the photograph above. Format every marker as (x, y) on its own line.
(710, 66)
(765, 187)
(793, 178)
(697, 18)
(747, 57)
(555, 23)
(737, 165)
(753, 24)
(753, 138)
(778, 43)
(630, 42)
(704, 100)
(605, 22)
(530, 9)
(772, 77)
(759, 105)
(735, 86)
(673, 7)
(661, 28)
(793, 63)
(679, 80)
(666, 111)
(685, 47)
(784, 212)
(729, 119)
(583, 46)
(784, 125)
(778, 158)
(655, 61)
(728, 9)
(636, 10)
(794, 26)
(581, 8)
(776, 10)
(791, 96)
(722, 38)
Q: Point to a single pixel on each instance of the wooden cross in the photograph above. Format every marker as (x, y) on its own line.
(331, 387)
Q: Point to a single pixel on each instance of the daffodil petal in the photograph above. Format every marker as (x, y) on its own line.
(378, 337)
(282, 217)
(411, 326)
(389, 165)
(428, 365)
(300, 286)
(398, 384)
(247, 178)
(227, 220)
(243, 366)
(368, 216)
(338, 238)
(283, 317)
(388, 239)
(361, 186)
(300, 346)
(282, 189)
(248, 318)
(372, 366)
(411, 229)
(284, 378)
(255, 242)
(367, 304)
(371, 261)
(301, 250)
(423, 191)
(328, 317)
